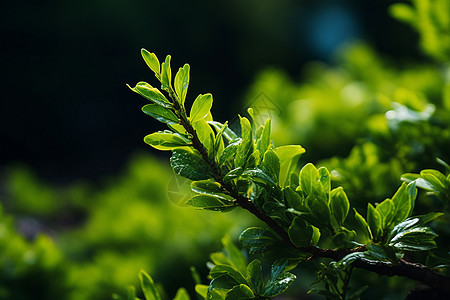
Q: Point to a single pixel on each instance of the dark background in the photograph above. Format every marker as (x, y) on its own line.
(66, 111)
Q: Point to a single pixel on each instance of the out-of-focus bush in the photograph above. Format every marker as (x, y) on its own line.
(125, 224)
(29, 269)
(384, 118)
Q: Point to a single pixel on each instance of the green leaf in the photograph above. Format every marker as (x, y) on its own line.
(166, 140)
(219, 270)
(150, 93)
(253, 160)
(229, 134)
(309, 177)
(205, 135)
(263, 143)
(374, 221)
(411, 234)
(211, 188)
(339, 205)
(182, 82)
(160, 113)
(317, 203)
(224, 283)
(148, 286)
(240, 292)
(258, 175)
(316, 236)
(235, 255)
(258, 239)
(166, 74)
(246, 146)
(201, 107)
(279, 280)
(363, 223)
(255, 276)
(300, 233)
(415, 239)
(219, 144)
(209, 202)
(271, 164)
(288, 156)
(233, 174)
(152, 61)
(182, 294)
(325, 179)
(436, 179)
(229, 151)
(292, 198)
(386, 210)
(189, 165)
(403, 201)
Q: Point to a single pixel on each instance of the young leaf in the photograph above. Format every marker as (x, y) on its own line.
(271, 164)
(182, 82)
(148, 286)
(300, 233)
(374, 221)
(309, 177)
(219, 270)
(166, 74)
(201, 107)
(258, 175)
(166, 140)
(240, 292)
(255, 276)
(246, 146)
(152, 61)
(325, 179)
(209, 202)
(403, 201)
(386, 210)
(292, 198)
(363, 223)
(229, 134)
(205, 135)
(160, 113)
(189, 165)
(150, 93)
(233, 174)
(339, 205)
(229, 151)
(211, 188)
(435, 178)
(288, 156)
(263, 143)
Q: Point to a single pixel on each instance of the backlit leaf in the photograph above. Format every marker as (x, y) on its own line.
(160, 113)
(152, 61)
(150, 93)
(201, 107)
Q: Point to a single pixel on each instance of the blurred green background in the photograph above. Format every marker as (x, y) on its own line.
(86, 204)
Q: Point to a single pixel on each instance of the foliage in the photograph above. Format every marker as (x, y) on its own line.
(101, 236)
(306, 217)
(29, 268)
